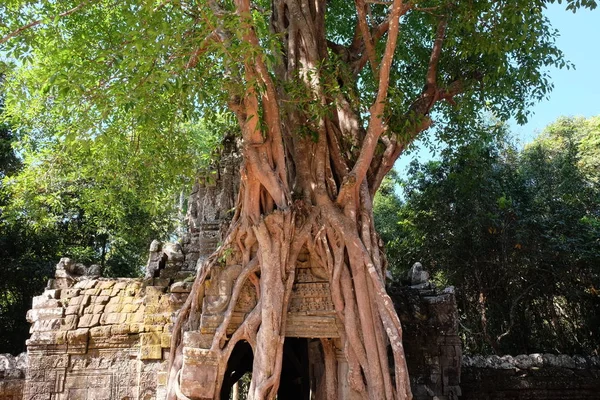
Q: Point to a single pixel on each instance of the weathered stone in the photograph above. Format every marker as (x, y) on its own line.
(113, 318)
(44, 313)
(161, 282)
(100, 331)
(88, 320)
(121, 329)
(69, 293)
(45, 301)
(130, 307)
(102, 299)
(418, 275)
(523, 361)
(154, 292)
(181, 287)
(105, 284)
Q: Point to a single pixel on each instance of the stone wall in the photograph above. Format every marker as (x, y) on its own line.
(101, 339)
(12, 376)
(531, 377)
(433, 349)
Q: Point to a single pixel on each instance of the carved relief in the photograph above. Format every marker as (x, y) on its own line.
(219, 288)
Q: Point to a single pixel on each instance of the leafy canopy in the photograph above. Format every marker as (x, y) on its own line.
(114, 72)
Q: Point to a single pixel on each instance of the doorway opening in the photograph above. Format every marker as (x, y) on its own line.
(295, 377)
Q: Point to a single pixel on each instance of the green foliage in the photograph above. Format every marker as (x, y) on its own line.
(517, 234)
(88, 201)
(24, 256)
(385, 209)
(110, 201)
(130, 71)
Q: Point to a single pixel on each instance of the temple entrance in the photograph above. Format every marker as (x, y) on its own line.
(295, 378)
(239, 364)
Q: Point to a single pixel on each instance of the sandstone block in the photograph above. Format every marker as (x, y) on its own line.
(115, 300)
(77, 341)
(72, 310)
(131, 307)
(45, 301)
(108, 284)
(154, 292)
(157, 319)
(69, 323)
(102, 299)
(69, 293)
(44, 313)
(92, 292)
(46, 338)
(181, 287)
(89, 320)
(162, 378)
(79, 300)
(97, 309)
(137, 318)
(165, 340)
(151, 338)
(133, 289)
(100, 331)
(45, 325)
(113, 308)
(151, 352)
(121, 329)
(113, 318)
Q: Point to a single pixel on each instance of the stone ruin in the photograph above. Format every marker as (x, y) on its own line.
(95, 338)
(12, 376)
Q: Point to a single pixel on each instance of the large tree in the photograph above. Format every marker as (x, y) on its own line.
(327, 96)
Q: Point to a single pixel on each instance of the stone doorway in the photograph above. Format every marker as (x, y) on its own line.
(295, 371)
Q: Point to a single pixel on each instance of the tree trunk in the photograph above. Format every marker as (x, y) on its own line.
(308, 179)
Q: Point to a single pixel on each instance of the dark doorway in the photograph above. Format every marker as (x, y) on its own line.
(295, 380)
(240, 362)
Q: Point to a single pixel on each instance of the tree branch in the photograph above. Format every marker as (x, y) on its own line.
(40, 21)
(366, 35)
(193, 61)
(435, 52)
(376, 124)
(377, 34)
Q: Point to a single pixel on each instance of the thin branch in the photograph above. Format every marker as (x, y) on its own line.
(377, 34)
(376, 124)
(39, 21)
(366, 34)
(193, 61)
(435, 52)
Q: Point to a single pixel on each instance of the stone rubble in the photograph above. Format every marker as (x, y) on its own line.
(12, 376)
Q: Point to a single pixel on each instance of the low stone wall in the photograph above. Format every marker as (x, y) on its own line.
(531, 377)
(12, 376)
(102, 339)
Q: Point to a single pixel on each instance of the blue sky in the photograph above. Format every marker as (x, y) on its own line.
(576, 91)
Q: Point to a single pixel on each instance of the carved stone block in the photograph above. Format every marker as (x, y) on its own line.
(199, 373)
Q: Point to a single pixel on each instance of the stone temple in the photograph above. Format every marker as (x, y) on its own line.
(95, 338)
